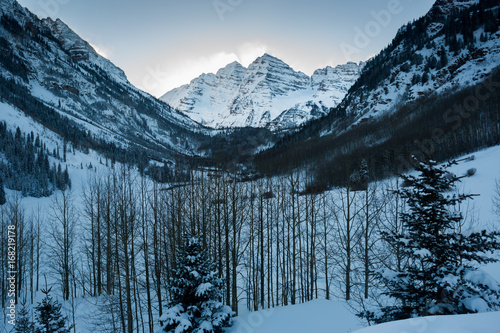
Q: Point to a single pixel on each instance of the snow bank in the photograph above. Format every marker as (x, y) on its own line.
(471, 323)
(318, 316)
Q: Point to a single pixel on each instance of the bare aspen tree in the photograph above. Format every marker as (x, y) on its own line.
(145, 218)
(62, 236)
(92, 200)
(279, 249)
(293, 179)
(238, 214)
(268, 196)
(283, 232)
(126, 222)
(252, 266)
(32, 253)
(327, 228)
(345, 211)
(313, 207)
(372, 206)
(158, 223)
(260, 217)
(37, 246)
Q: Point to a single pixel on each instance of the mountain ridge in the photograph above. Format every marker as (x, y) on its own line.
(68, 79)
(268, 93)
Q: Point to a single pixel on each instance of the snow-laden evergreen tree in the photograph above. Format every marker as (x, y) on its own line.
(23, 321)
(49, 318)
(196, 292)
(442, 275)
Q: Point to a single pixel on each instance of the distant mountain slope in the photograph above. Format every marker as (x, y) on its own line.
(268, 93)
(433, 91)
(457, 44)
(57, 78)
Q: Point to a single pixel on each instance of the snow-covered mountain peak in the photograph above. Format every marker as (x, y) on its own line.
(341, 76)
(268, 62)
(267, 58)
(269, 93)
(233, 70)
(231, 67)
(81, 50)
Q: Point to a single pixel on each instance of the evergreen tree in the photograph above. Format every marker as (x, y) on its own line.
(3, 199)
(49, 318)
(443, 57)
(442, 275)
(196, 292)
(23, 322)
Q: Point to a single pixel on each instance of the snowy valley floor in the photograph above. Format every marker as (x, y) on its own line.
(322, 316)
(318, 316)
(313, 317)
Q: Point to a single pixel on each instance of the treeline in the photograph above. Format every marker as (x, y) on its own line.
(444, 127)
(25, 166)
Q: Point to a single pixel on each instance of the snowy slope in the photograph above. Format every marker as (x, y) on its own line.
(318, 316)
(268, 93)
(322, 316)
(470, 323)
(393, 78)
(51, 63)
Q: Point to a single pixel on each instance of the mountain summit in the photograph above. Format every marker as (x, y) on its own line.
(269, 93)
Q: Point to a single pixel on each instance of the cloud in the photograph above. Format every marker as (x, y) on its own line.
(177, 72)
(102, 51)
(248, 52)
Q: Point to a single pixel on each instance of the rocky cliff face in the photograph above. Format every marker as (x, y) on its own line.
(269, 93)
(441, 7)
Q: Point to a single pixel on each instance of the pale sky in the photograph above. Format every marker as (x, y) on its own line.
(163, 44)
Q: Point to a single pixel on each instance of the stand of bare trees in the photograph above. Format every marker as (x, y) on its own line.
(276, 241)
